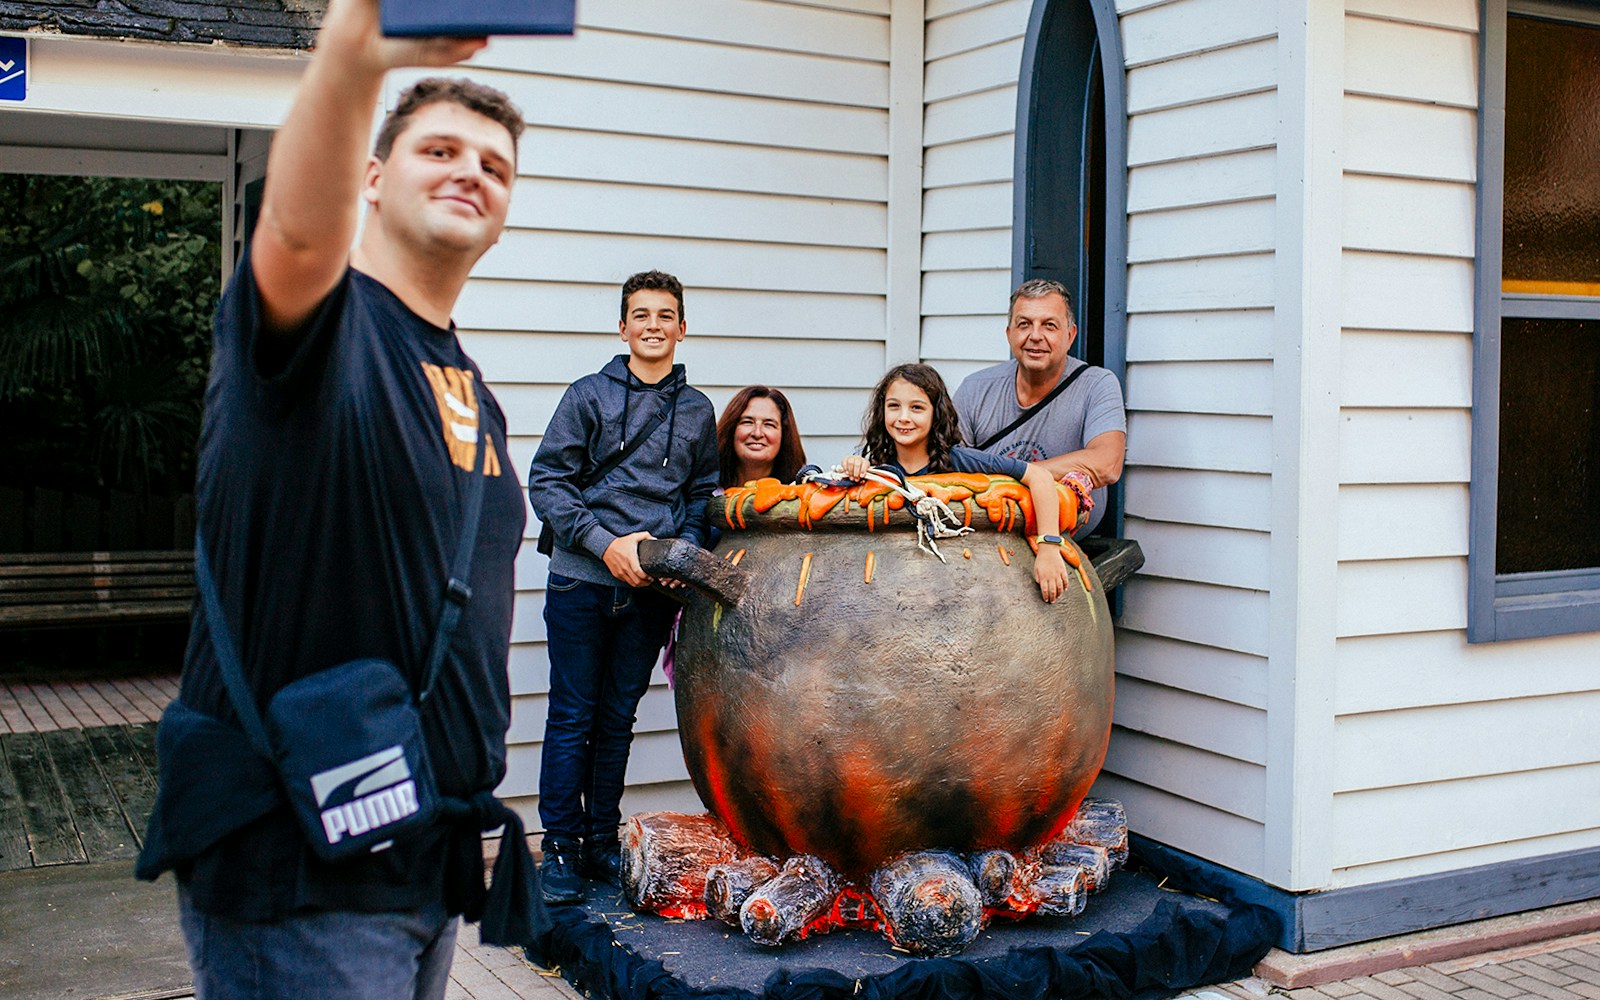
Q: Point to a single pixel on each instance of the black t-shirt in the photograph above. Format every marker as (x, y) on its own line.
(330, 497)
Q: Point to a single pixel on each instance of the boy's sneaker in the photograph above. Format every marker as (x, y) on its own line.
(602, 861)
(558, 873)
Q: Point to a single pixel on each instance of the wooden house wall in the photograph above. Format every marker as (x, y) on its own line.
(1188, 752)
(1445, 755)
(739, 144)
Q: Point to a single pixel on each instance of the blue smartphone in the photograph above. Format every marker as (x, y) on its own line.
(412, 18)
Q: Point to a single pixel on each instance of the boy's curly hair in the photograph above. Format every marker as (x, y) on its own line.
(945, 433)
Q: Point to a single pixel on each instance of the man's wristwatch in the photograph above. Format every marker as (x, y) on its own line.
(1055, 540)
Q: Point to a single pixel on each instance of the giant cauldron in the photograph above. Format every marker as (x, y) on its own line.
(843, 693)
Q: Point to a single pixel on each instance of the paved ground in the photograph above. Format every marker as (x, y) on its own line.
(1561, 969)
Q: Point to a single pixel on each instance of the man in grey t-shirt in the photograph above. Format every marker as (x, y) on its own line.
(1083, 429)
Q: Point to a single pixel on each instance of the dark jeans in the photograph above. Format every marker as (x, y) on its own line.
(603, 643)
(335, 955)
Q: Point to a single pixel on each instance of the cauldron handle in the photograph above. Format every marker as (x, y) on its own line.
(678, 559)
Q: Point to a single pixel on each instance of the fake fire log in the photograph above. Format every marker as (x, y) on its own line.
(927, 902)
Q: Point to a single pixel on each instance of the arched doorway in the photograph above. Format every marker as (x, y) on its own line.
(1070, 197)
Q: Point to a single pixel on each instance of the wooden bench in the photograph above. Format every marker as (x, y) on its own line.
(75, 588)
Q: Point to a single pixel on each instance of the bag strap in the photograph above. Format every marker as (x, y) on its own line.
(604, 468)
(456, 590)
(1035, 409)
(456, 596)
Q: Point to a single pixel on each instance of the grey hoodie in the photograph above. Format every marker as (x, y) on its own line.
(661, 488)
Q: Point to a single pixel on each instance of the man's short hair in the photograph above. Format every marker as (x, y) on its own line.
(1038, 288)
(486, 101)
(659, 281)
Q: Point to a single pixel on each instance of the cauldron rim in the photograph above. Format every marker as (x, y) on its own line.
(999, 504)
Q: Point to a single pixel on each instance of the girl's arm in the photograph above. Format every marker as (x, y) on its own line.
(1049, 566)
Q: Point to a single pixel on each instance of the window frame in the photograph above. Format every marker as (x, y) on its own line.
(1503, 606)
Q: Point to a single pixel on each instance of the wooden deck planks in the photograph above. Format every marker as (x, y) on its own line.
(52, 839)
(14, 851)
(130, 781)
(75, 795)
(91, 802)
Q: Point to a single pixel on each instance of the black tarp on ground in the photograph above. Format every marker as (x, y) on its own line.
(1135, 940)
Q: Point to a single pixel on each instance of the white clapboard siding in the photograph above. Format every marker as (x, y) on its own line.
(717, 68)
(1239, 387)
(700, 164)
(1406, 292)
(515, 305)
(1236, 282)
(990, 67)
(1402, 521)
(1404, 446)
(1214, 335)
(1214, 179)
(1402, 139)
(1220, 674)
(1225, 617)
(970, 161)
(1200, 496)
(1404, 369)
(740, 144)
(587, 207)
(1240, 227)
(1223, 126)
(965, 250)
(1227, 72)
(1401, 595)
(1162, 32)
(1447, 742)
(1491, 853)
(1223, 443)
(1436, 825)
(1390, 59)
(1391, 673)
(1203, 553)
(1381, 214)
(1459, 14)
(569, 256)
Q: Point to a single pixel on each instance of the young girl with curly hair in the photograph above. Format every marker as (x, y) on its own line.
(911, 423)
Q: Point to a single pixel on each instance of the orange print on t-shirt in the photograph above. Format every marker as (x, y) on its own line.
(455, 392)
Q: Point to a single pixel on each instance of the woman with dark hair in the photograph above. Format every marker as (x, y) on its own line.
(757, 437)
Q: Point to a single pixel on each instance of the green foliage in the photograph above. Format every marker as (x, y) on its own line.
(107, 286)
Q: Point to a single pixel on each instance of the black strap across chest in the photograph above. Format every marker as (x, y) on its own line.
(1035, 409)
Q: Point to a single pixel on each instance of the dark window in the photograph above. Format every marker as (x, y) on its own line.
(1535, 559)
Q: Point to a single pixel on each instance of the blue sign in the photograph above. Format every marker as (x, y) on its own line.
(13, 69)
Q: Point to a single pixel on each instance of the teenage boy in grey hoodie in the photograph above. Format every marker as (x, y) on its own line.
(605, 627)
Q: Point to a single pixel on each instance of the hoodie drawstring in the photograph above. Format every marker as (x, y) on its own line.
(672, 414)
(672, 423)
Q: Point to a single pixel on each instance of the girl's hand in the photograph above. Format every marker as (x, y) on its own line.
(1050, 572)
(854, 466)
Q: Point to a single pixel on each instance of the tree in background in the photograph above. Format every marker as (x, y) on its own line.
(107, 286)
